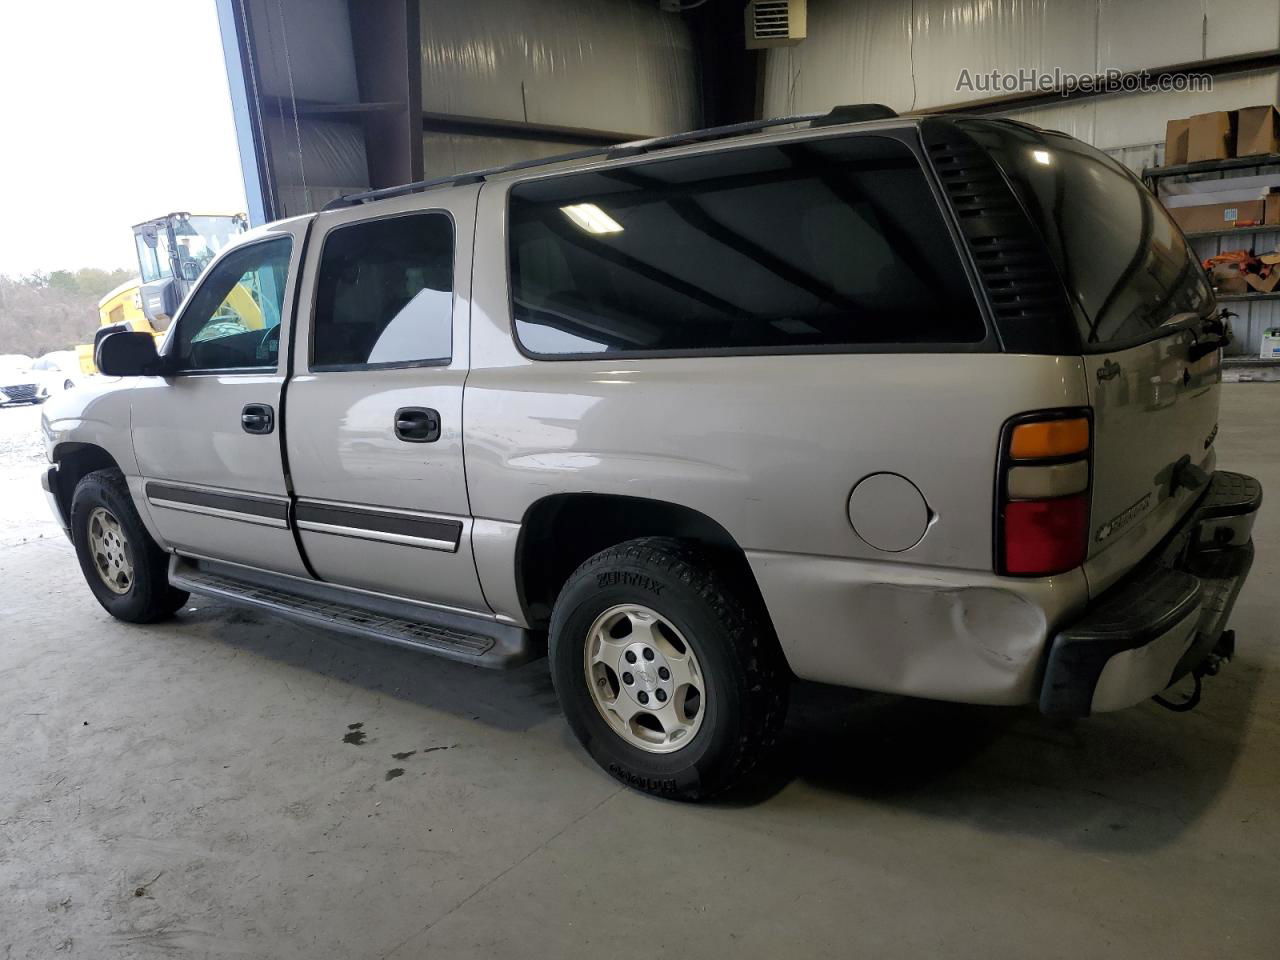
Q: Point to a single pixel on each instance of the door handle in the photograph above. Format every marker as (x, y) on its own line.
(1108, 371)
(257, 418)
(417, 425)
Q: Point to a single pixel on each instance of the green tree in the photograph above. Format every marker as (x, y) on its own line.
(62, 280)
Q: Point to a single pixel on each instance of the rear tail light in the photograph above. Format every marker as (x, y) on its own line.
(1042, 518)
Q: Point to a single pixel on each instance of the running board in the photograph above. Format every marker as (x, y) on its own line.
(455, 636)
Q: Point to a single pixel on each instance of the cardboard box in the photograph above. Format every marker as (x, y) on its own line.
(1175, 141)
(1257, 131)
(1231, 285)
(1211, 136)
(1228, 278)
(1271, 208)
(1270, 344)
(1218, 216)
(1262, 284)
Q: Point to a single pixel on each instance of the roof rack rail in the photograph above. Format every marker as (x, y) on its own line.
(847, 113)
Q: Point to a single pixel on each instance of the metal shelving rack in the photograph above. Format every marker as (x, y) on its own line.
(1259, 311)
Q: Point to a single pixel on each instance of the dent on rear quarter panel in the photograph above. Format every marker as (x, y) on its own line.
(898, 628)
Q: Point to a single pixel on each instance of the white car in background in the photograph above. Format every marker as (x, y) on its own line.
(59, 369)
(23, 380)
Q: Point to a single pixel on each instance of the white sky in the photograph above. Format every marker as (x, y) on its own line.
(112, 112)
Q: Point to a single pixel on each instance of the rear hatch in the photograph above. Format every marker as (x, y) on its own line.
(1143, 309)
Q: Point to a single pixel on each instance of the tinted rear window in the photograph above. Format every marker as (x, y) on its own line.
(801, 246)
(1123, 260)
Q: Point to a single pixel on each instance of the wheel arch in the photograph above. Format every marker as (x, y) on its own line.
(560, 531)
(75, 461)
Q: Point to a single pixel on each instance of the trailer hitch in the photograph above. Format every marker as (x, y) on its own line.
(1222, 653)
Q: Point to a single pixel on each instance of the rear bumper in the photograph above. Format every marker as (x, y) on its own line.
(1164, 619)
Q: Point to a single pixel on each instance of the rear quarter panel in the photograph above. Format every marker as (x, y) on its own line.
(768, 446)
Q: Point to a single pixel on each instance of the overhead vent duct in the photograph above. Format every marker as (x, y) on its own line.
(775, 23)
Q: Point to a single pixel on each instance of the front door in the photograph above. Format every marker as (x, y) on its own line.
(206, 436)
(374, 412)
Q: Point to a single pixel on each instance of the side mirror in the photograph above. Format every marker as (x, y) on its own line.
(127, 354)
(190, 271)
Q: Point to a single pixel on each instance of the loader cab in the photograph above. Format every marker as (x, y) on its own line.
(173, 251)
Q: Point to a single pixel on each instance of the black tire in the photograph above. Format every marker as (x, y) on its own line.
(745, 673)
(149, 597)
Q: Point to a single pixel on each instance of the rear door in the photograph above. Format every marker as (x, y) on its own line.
(206, 437)
(1141, 299)
(374, 412)
(1155, 412)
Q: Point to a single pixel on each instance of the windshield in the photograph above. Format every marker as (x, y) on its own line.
(1124, 262)
(201, 238)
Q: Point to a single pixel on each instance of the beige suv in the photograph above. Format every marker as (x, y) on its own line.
(924, 406)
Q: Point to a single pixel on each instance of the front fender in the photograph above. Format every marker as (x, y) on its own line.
(94, 415)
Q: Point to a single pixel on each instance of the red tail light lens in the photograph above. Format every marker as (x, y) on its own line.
(1044, 537)
(1044, 478)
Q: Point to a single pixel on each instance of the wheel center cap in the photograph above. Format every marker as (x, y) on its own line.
(648, 673)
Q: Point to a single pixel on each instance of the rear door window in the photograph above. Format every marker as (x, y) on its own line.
(385, 294)
(797, 247)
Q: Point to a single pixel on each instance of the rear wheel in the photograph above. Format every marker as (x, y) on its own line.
(667, 672)
(125, 569)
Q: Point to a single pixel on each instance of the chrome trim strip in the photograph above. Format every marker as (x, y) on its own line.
(368, 508)
(216, 512)
(362, 533)
(225, 491)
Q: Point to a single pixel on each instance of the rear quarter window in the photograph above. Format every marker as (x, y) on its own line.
(1123, 261)
(797, 247)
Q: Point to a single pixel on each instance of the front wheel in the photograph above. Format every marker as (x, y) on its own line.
(666, 670)
(124, 567)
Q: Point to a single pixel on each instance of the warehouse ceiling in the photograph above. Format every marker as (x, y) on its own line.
(337, 96)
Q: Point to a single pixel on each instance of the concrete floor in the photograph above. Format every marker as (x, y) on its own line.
(201, 788)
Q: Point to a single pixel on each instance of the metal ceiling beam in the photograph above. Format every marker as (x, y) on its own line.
(1219, 66)
(242, 79)
(523, 129)
(385, 38)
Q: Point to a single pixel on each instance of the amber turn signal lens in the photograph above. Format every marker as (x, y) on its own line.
(1049, 438)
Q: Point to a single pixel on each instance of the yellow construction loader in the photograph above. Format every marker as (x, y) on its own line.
(173, 251)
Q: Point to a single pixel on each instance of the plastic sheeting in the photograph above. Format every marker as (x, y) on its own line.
(334, 162)
(911, 55)
(446, 153)
(304, 49)
(618, 65)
